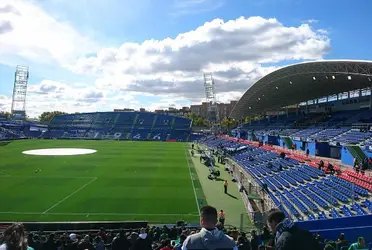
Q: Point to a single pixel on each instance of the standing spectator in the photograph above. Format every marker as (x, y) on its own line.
(15, 238)
(173, 233)
(361, 244)
(85, 244)
(102, 234)
(287, 235)
(143, 242)
(221, 217)
(225, 184)
(307, 153)
(133, 239)
(121, 242)
(209, 236)
(341, 242)
(74, 242)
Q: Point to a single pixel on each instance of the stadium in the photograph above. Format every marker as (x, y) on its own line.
(307, 152)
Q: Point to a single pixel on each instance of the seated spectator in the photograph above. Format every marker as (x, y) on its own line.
(15, 238)
(361, 244)
(167, 245)
(287, 235)
(209, 236)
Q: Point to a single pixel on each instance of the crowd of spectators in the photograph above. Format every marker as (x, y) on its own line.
(280, 234)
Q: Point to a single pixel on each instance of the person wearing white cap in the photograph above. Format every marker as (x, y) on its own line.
(73, 237)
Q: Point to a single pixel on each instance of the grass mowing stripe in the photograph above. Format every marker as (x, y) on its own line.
(68, 196)
(192, 179)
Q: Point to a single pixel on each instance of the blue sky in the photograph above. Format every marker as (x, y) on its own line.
(100, 55)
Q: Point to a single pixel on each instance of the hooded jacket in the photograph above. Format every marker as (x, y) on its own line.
(290, 237)
(209, 240)
(143, 242)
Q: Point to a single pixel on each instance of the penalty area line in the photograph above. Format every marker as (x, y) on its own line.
(68, 196)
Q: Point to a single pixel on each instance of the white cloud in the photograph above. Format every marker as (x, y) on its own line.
(169, 71)
(28, 32)
(236, 52)
(5, 103)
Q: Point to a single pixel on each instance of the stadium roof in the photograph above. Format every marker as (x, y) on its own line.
(302, 82)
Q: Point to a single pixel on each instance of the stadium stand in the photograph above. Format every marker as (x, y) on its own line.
(106, 125)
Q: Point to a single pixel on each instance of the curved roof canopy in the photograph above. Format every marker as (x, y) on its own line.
(302, 82)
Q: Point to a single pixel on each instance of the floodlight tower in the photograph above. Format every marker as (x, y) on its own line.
(210, 93)
(19, 93)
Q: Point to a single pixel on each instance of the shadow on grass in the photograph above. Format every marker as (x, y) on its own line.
(232, 196)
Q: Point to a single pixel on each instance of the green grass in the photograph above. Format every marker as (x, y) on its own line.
(122, 181)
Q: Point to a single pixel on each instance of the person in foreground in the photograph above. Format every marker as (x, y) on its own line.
(287, 235)
(209, 237)
(361, 244)
(15, 238)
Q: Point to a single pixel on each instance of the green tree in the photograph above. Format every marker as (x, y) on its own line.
(6, 114)
(48, 116)
(229, 123)
(197, 121)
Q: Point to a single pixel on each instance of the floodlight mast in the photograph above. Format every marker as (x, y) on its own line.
(210, 94)
(19, 93)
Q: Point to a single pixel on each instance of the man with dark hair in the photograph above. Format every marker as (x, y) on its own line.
(287, 235)
(209, 236)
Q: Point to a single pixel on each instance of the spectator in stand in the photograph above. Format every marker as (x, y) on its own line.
(85, 244)
(182, 240)
(221, 217)
(321, 165)
(120, 242)
(102, 234)
(254, 240)
(361, 245)
(341, 242)
(50, 244)
(98, 243)
(143, 242)
(209, 236)
(74, 242)
(287, 235)
(265, 236)
(133, 239)
(15, 238)
(243, 243)
(167, 245)
(235, 233)
(173, 233)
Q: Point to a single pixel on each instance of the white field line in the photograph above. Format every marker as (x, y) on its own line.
(47, 177)
(107, 214)
(68, 196)
(192, 180)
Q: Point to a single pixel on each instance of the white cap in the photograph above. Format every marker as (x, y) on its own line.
(72, 237)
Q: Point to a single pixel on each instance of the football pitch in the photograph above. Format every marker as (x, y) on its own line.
(122, 181)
